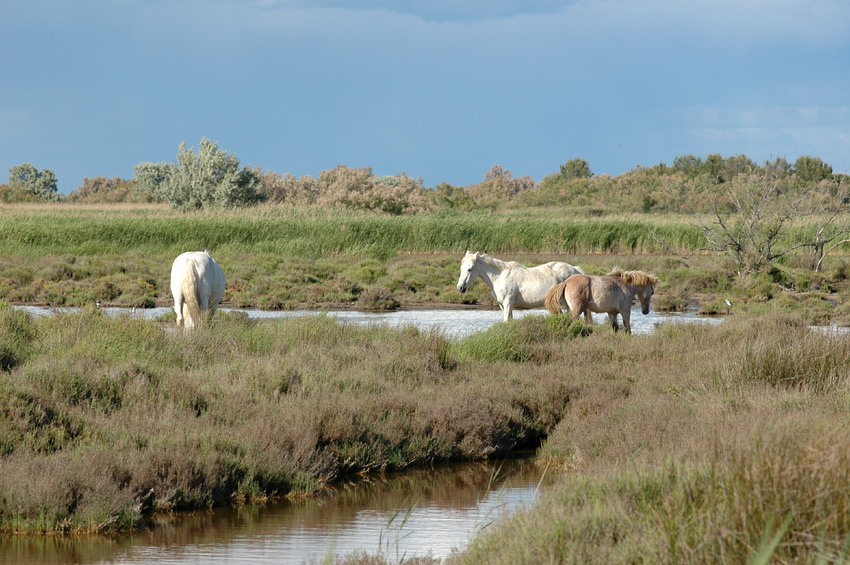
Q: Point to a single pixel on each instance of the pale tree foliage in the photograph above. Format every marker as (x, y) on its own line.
(347, 187)
(104, 189)
(287, 188)
(28, 183)
(498, 188)
(209, 177)
(362, 190)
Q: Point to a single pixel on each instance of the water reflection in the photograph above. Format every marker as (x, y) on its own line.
(446, 505)
(454, 323)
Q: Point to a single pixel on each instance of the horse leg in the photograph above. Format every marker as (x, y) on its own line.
(575, 315)
(626, 325)
(205, 311)
(178, 309)
(508, 309)
(613, 319)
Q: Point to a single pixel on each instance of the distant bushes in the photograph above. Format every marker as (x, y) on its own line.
(210, 176)
(207, 178)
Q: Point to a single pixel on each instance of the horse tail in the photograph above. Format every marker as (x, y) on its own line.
(189, 286)
(553, 298)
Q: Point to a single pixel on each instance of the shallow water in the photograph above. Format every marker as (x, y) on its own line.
(454, 323)
(447, 506)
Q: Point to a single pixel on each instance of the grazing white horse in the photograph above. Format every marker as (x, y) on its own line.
(197, 283)
(513, 285)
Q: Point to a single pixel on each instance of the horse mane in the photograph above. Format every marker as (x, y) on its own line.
(634, 277)
(490, 260)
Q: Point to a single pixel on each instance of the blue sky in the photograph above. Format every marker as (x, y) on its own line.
(441, 89)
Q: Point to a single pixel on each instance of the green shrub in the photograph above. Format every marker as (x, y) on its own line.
(377, 298)
(17, 333)
(520, 340)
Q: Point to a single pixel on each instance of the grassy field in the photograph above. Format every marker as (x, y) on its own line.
(693, 444)
(283, 258)
(311, 233)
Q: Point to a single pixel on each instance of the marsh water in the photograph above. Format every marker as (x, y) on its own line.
(419, 512)
(455, 323)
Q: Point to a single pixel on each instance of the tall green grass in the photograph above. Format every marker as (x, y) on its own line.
(313, 233)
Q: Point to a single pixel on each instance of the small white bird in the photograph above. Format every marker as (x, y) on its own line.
(728, 303)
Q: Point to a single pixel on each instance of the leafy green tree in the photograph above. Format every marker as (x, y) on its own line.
(734, 166)
(447, 195)
(812, 169)
(207, 178)
(779, 167)
(27, 180)
(688, 164)
(576, 169)
(714, 165)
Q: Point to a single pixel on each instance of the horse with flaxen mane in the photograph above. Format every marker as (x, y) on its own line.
(610, 294)
(513, 284)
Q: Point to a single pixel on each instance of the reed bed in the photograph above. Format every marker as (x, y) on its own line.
(315, 233)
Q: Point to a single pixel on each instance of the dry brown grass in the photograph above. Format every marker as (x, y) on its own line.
(690, 446)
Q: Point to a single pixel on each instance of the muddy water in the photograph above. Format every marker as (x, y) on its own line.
(419, 512)
(454, 323)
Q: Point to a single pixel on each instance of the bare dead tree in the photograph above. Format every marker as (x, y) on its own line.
(750, 219)
(827, 208)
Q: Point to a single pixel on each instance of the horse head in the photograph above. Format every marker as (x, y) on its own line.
(645, 293)
(467, 271)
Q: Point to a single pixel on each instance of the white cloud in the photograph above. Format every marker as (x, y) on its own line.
(768, 117)
(765, 132)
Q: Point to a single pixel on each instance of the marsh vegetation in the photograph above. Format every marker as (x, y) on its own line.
(694, 443)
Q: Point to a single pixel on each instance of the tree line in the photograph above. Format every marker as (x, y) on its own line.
(209, 177)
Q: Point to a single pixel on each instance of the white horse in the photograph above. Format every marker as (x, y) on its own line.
(513, 285)
(197, 283)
